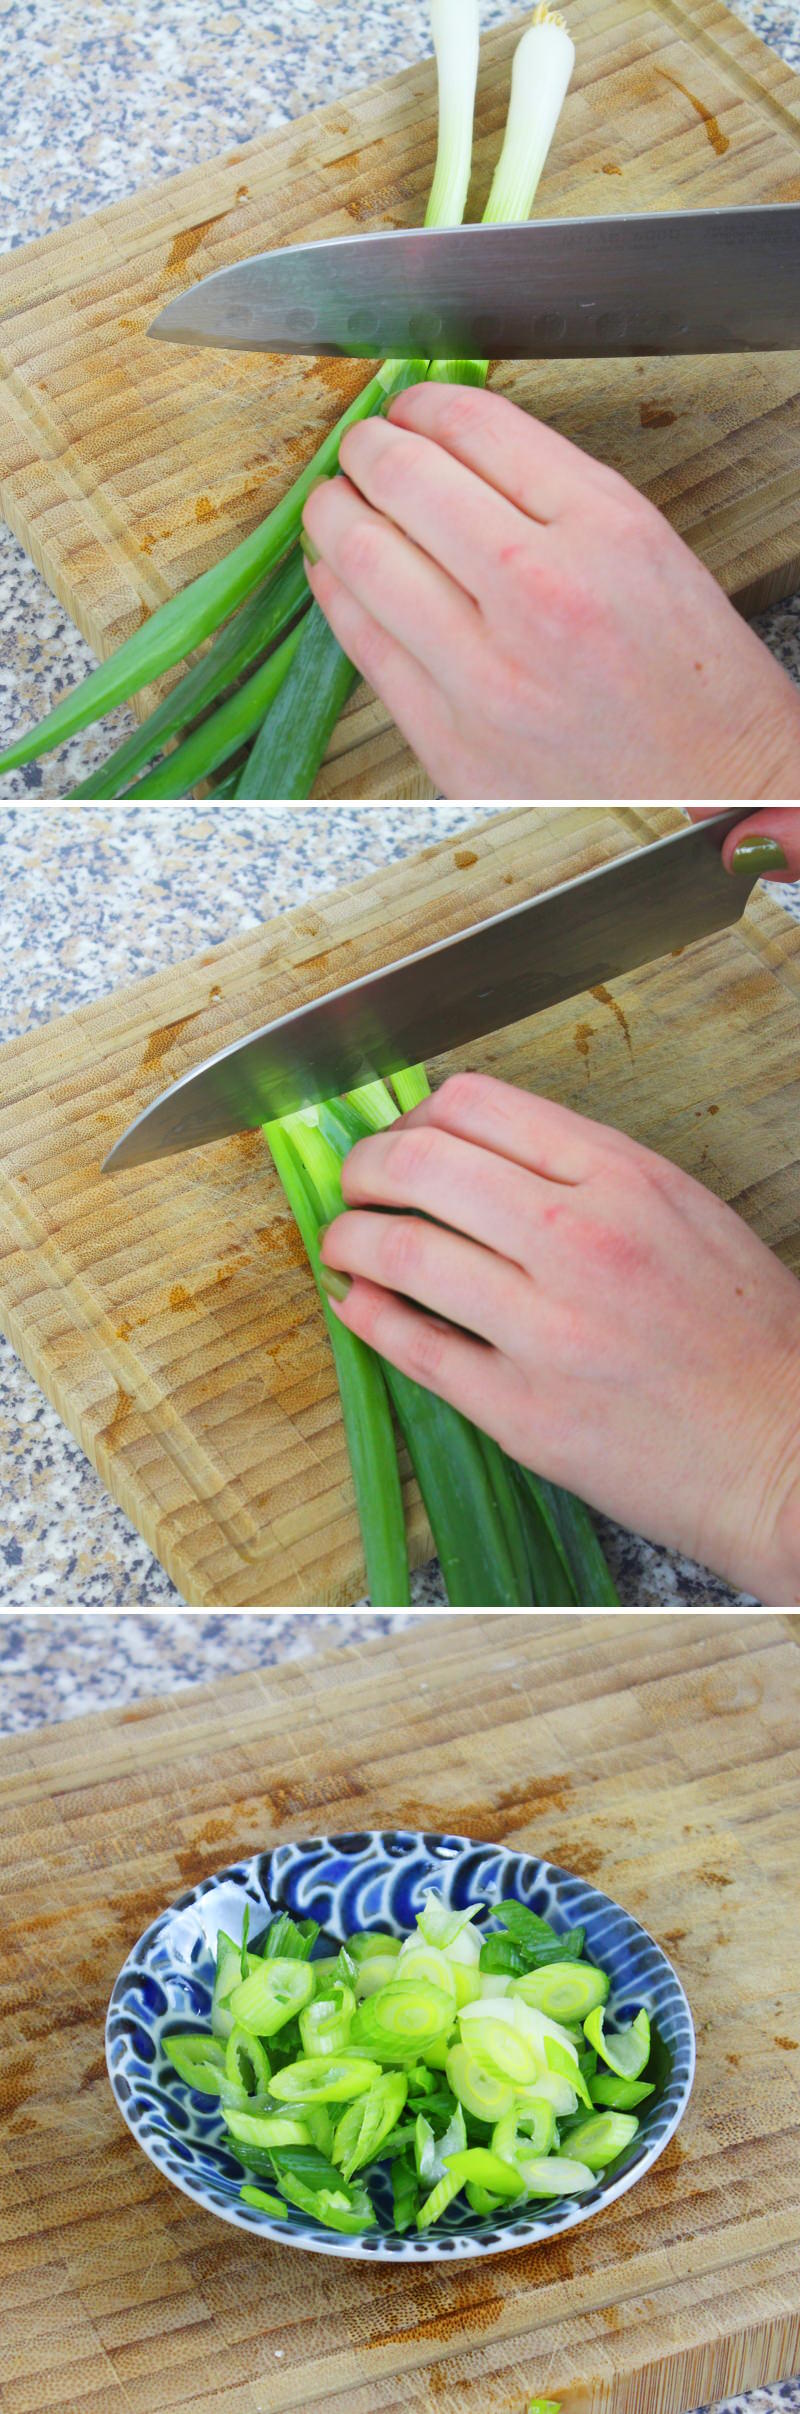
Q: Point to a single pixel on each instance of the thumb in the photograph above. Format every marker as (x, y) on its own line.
(765, 843)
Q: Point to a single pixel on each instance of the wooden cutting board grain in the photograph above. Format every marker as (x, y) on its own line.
(126, 467)
(169, 1314)
(658, 1756)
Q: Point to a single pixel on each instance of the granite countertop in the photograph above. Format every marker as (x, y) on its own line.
(90, 899)
(98, 102)
(57, 1668)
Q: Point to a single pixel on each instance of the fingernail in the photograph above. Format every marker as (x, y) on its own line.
(758, 856)
(335, 1285)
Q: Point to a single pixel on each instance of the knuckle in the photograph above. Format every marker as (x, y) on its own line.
(410, 1151)
(461, 1093)
(361, 551)
(426, 1354)
(614, 1247)
(401, 1251)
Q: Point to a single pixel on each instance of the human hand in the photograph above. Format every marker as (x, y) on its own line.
(609, 1322)
(765, 843)
(534, 626)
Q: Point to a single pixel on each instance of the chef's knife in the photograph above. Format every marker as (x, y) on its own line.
(642, 905)
(721, 280)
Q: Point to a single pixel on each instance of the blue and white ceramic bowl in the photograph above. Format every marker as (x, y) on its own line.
(368, 1881)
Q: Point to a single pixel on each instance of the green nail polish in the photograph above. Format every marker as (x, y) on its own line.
(758, 856)
(335, 1285)
(308, 547)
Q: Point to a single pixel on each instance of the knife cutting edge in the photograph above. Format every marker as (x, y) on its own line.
(588, 930)
(663, 282)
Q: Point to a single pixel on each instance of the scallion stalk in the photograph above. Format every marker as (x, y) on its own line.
(263, 617)
(178, 626)
(365, 1407)
(216, 738)
(543, 64)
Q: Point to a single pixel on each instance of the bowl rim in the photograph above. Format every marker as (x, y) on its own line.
(351, 2248)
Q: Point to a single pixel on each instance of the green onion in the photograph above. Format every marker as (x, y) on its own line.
(264, 616)
(598, 2141)
(295, 736)
(180, 625)
(246, 2062)
(495, 1527)
(627, 2052)
(325, 2079)
(362, 1390)
(264, 2203)
(555, 2175)
(234, 721)
(456, 34)
(272, 1994)
(565, 1990)
(620, 2094)
(543, 64)
(447, 2096)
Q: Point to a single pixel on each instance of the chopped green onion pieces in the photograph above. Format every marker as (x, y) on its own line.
(290, 1939)
(264, 2203)
(325, 2024)
(198, 2059)
(486, 2170)
(246, 2062)
(598, 2141)
(272, 1994)
(267, 2130)
(555, 2175)
(452, 2092)
(627, 2052)
(565, 1990)
(482, 2092)
(621, 2095)
(404, 2018)
(502, 2051)
(560, 2059)
(361, 2131)
(318, 2079)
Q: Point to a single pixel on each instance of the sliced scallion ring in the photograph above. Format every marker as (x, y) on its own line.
(627, 2052)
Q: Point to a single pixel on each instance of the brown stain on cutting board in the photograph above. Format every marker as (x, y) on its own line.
(464, 858)
(282, 1243)
(205, 510)
(604, 998)
(584, 1032)
(656, 414)
(180, 1299)
(491, 1822)
(188, 242)
(160, 1042)
(719, 142)
(112, 1432)
(788, 2045)
(464, 2314)
(15, 2086)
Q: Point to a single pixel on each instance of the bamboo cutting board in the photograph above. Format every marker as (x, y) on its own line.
(658, 1757)
(126, 467)
(169, 1314)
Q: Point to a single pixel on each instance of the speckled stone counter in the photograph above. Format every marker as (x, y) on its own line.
(98, 102)
(92, 898)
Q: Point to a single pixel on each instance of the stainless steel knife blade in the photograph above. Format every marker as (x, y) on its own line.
(570, 938)
(720, 280)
